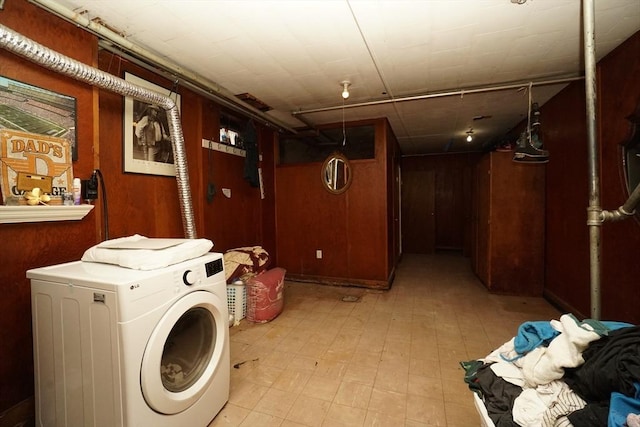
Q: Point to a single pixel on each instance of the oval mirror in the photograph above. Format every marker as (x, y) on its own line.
(336, 173)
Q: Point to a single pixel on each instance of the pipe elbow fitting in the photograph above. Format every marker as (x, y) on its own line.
(617, 215)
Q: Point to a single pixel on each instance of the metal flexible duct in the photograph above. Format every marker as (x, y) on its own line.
(41, 55)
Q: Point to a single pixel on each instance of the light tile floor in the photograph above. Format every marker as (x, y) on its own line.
(389, 359)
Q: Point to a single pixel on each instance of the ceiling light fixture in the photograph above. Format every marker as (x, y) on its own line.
(345, 89)
(470, 135)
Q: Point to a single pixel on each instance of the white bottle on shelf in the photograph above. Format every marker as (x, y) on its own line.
(77, 191)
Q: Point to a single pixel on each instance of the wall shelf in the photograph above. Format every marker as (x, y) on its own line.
(224, 148)
(41, 213)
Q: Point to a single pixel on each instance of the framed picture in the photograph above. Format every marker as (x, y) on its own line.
(30, 160)
(147, 142)
(38, 111)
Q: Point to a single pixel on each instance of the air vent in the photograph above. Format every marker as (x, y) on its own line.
(254, 102)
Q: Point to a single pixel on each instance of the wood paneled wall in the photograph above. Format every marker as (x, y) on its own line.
(509, 227)
(567, 241)
(351, 229)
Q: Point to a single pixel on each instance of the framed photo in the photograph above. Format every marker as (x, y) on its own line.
(32, 109)
(147, 142)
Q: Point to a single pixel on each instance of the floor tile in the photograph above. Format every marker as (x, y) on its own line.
(388, 402)
(344, 416)
(458, 415)
(276, 402)
(230, 416)
(291, 380)
(259, 419)
(309, 411)
(246, 394)
(379, 419)
(353, 394)
(428, 411)
(321, 387)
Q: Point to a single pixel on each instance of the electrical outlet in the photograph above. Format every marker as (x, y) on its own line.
(319, 253)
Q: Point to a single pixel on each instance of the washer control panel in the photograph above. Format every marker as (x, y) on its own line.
(214, 267)
(193, 275)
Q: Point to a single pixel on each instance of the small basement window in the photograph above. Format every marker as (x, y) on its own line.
(230, 129)
(360, 144)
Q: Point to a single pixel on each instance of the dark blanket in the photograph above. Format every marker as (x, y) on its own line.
(498, 394)
(612, 363)
(592, 415)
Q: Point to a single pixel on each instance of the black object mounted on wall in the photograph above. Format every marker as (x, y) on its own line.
(250, 140)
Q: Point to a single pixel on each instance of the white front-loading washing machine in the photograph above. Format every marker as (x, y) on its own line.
(120, 347)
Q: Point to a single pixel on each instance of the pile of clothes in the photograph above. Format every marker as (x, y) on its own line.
(245, 262)
(562, 373)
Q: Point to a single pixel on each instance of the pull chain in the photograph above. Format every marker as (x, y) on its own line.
(529, 115)
(344, 130)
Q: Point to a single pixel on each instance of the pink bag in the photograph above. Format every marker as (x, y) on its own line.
(265, 295)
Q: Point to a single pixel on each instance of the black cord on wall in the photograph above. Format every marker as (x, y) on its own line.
(105, 210)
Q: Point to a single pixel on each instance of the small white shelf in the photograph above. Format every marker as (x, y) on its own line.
(224, 148)
(41, 213)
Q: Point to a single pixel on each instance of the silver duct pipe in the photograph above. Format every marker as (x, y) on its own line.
(594, 211)
(41, 55)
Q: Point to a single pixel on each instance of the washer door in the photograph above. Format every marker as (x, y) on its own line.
(183, 353)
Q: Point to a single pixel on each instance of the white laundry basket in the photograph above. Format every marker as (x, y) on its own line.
(237, 301)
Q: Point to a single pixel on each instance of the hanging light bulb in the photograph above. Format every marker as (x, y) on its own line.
(469, 135)
(345, 89)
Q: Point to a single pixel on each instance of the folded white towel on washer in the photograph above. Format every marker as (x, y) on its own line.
(144, 253)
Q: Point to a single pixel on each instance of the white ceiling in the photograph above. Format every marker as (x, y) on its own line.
(293, 54)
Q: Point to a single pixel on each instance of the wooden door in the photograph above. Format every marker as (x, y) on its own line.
(418, 211)
(450, 208)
